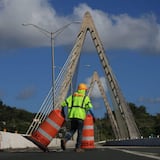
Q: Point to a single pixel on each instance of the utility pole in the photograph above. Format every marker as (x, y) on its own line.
(52, 36)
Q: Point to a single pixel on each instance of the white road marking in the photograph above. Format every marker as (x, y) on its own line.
(144, 154)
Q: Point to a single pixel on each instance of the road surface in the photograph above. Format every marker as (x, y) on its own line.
(104, 153)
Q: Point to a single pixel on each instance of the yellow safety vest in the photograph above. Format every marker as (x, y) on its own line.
(78, 104)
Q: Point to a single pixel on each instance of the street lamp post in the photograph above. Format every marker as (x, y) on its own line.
(52, 36)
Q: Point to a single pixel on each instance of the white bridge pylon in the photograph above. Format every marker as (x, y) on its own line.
(123, 123)
(95, 79)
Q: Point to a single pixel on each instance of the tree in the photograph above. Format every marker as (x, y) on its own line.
(14, 119)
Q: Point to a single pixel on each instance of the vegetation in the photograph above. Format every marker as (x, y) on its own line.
(148, 125)
(14, 119)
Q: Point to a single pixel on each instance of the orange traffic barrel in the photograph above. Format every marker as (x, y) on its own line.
(88, 133)
(47, 130)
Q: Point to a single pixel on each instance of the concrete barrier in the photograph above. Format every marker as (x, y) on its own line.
(18, 141)
(134, 142)
(14, 141)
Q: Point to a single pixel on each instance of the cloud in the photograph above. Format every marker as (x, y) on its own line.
(96, 92)
(125, 32)
(149, 100)
(2, 94)
(116, 31)
(39, 12)
(26, 93)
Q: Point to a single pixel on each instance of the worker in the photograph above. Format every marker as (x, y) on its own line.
(78, 105)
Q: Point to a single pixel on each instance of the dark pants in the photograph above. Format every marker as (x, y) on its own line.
(76, 125)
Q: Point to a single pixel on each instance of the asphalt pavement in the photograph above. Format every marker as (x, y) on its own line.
(104, 153)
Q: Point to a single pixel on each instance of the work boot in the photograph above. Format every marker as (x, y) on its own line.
(79, 150)
(63, 144)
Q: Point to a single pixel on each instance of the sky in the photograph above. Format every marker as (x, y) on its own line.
(129, 31)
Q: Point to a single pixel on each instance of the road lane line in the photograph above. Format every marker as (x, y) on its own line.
(144, 154)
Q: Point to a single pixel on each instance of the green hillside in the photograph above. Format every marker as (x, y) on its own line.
(13, 119)
(148, 125)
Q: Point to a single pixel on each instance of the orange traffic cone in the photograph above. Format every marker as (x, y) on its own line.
(88, 133)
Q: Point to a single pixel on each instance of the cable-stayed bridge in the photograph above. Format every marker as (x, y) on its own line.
(122, 122)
